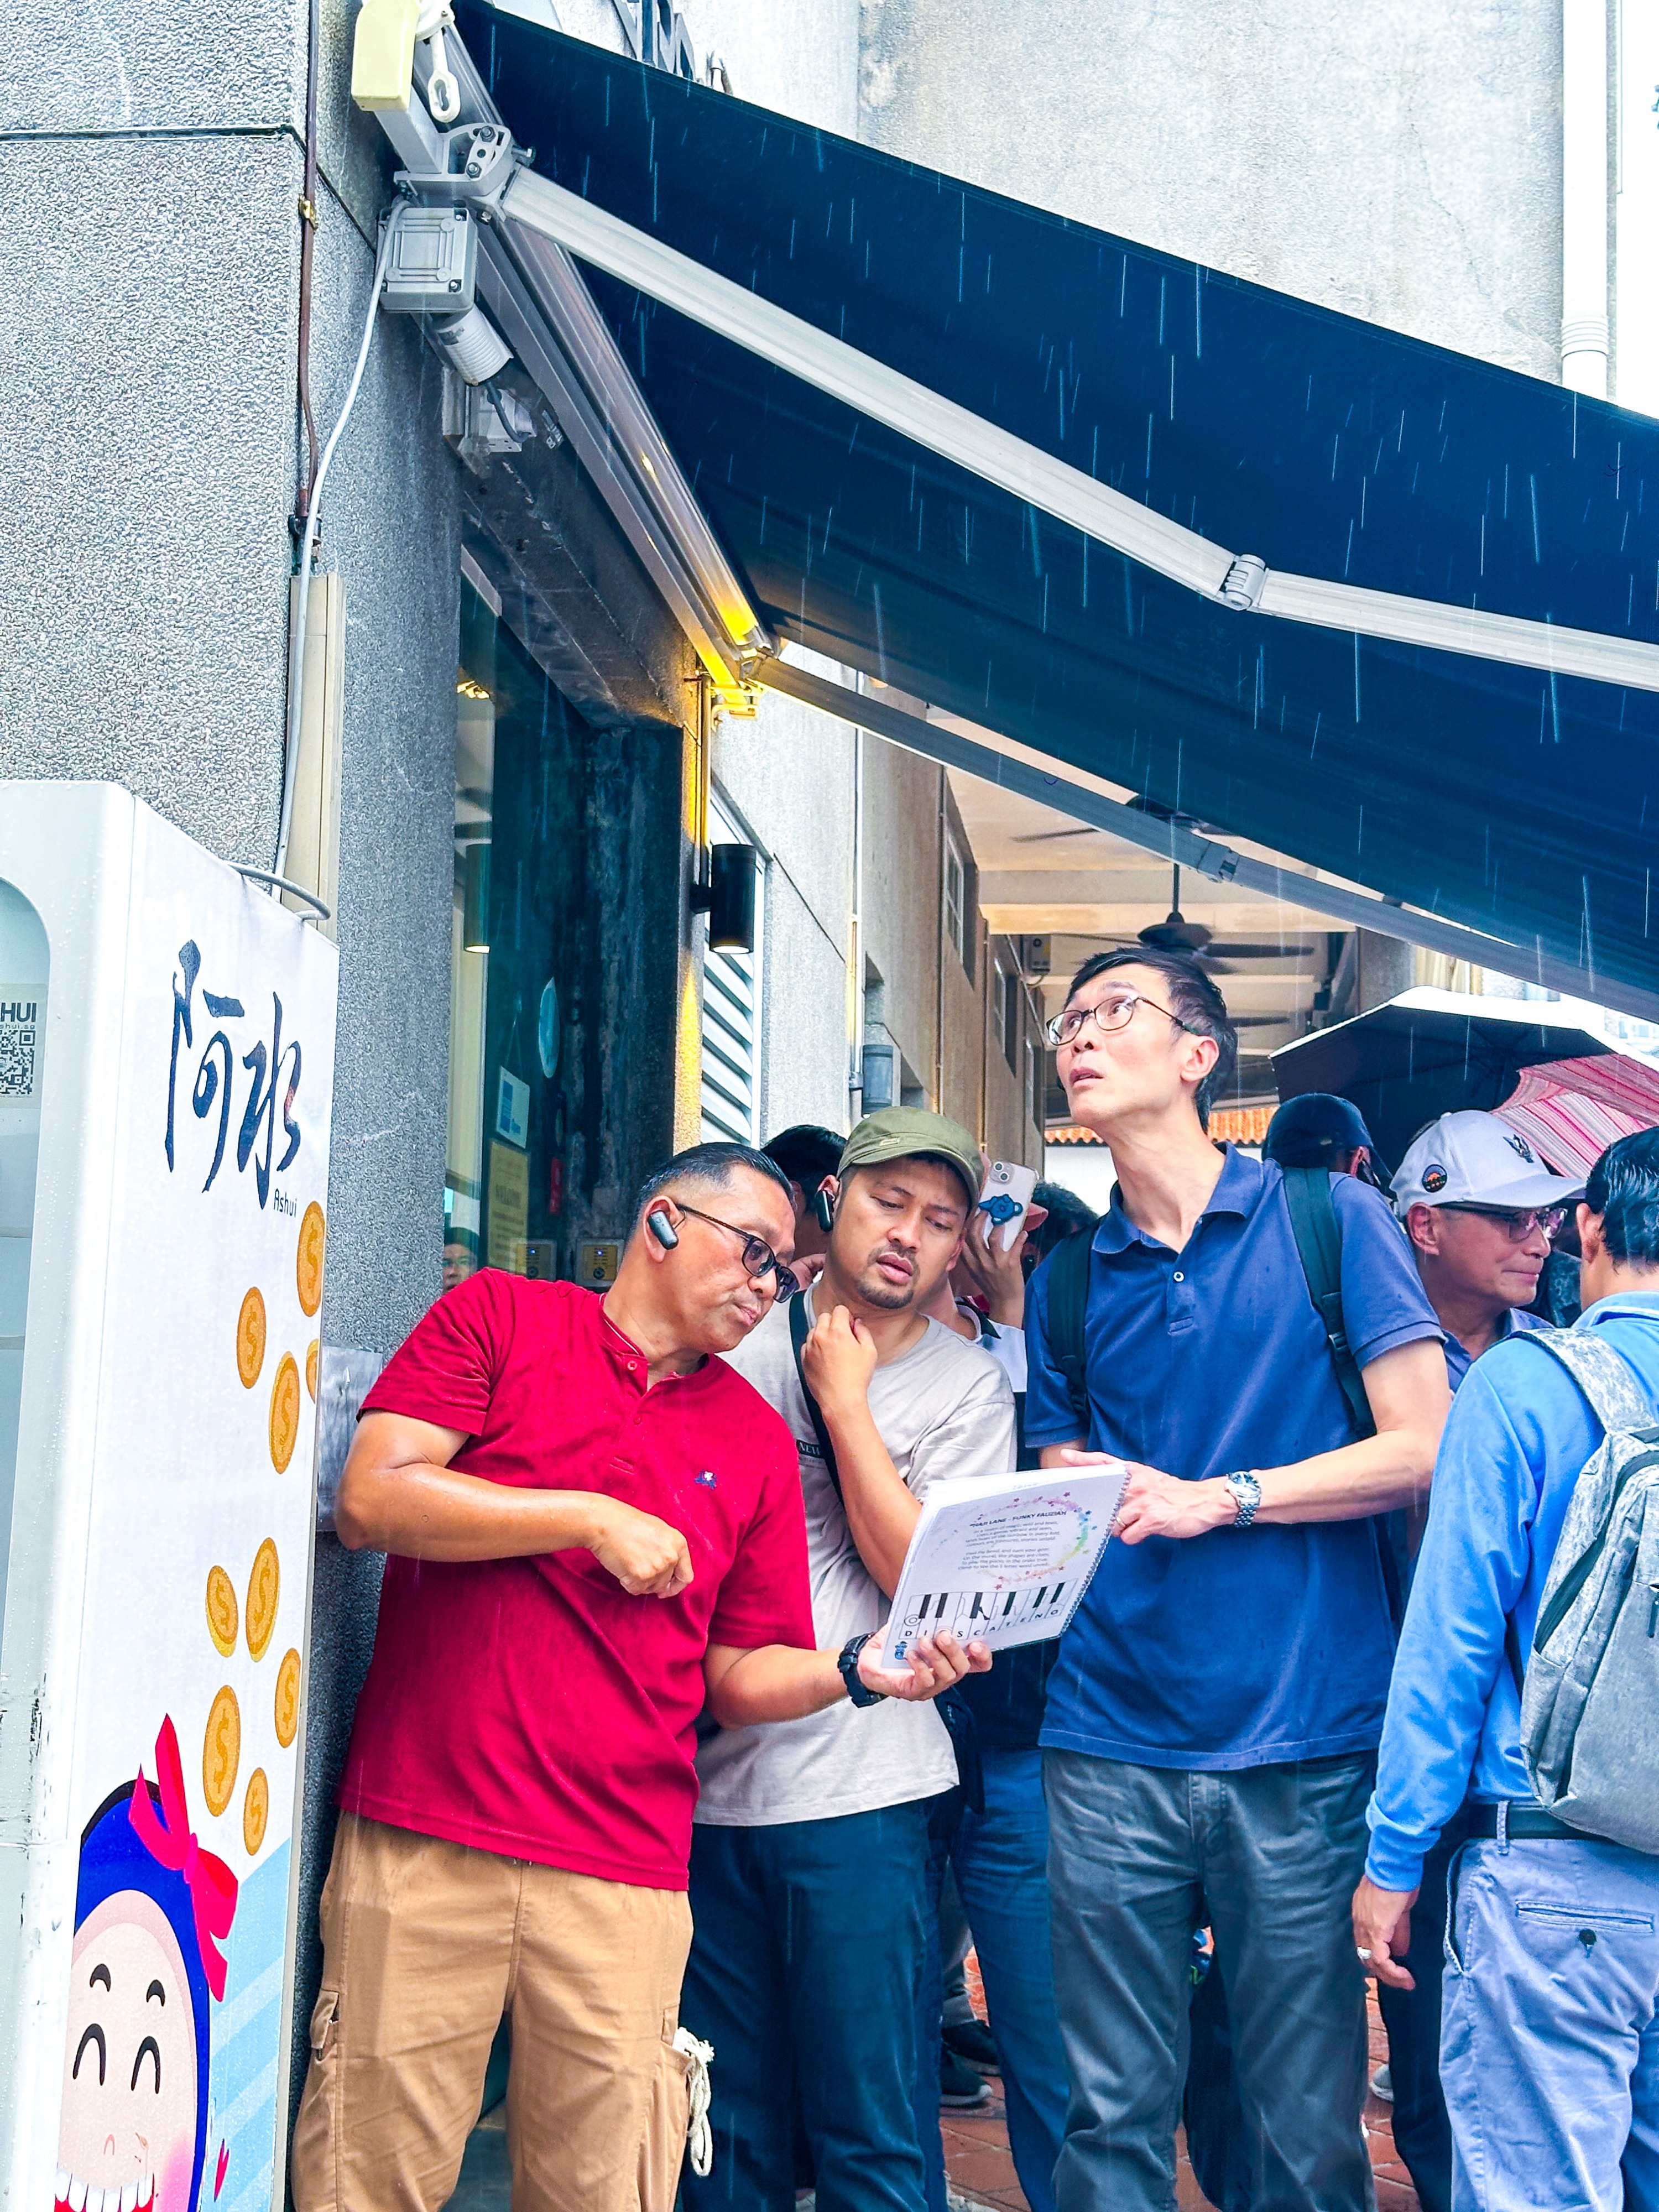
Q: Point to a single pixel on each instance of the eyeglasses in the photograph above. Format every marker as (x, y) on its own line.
(1115, 1012)
(758, 1257)
(1519, 1225)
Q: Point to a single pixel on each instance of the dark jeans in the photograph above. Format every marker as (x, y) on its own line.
(1216, 2141)
(1422, 2133)
(1267, 1858)
(1001, 1862)
(806, 1962)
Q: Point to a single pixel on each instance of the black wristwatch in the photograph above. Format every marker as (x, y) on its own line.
(849, 1664)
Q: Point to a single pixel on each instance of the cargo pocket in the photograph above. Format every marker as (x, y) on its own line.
(314, 2164)
(669, 2118)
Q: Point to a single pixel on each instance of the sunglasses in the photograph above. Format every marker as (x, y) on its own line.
(759, 1259)
(1519, 1226)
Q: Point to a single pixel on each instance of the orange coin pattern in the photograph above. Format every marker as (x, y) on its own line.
(256, 1807)
(251, 1339)
(264, 1586)
(223, 1617)
(222, 1750)
(308, 1259)
(313, 1353)
(284, 1414)
(287, 1699)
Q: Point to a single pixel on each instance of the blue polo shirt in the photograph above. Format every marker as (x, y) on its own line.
(1241, 1647)
(1516, 1323)
(1520, 1433)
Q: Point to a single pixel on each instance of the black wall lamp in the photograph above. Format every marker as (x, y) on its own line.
(728, 897)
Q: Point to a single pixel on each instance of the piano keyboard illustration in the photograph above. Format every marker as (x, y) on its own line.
(971, 1613)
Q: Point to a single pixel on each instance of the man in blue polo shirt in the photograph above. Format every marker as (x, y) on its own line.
(1213, 1714)
(1549, 2052)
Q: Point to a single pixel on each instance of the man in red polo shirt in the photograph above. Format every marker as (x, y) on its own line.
(596, 1533)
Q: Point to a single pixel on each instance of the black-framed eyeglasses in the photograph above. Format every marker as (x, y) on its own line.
(1115, 1012)
(1521, 1223)
(758, 1257)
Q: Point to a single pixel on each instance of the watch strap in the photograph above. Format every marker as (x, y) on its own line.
(847, 1661)
(1247, 1495)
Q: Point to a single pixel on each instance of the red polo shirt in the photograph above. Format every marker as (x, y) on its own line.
(530, 1706)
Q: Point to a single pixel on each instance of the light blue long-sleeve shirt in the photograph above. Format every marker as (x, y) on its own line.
(1519, 1434)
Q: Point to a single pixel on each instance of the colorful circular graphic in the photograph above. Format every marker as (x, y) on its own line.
(256, 1806)
(263, 1584)
(222, 1612)
(313, 1353)
(222, 1750)
(287, 1699)
(251, 1339)
(308, 1261)
(284, 1414)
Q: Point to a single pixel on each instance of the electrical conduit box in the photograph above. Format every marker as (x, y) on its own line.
(166, 1054)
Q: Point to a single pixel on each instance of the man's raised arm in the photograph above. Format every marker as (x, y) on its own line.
(398, 1493)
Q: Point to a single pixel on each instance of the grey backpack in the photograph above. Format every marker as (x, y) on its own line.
(1590, 1700)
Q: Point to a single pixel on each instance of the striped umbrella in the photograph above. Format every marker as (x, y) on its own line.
(1571, 1110)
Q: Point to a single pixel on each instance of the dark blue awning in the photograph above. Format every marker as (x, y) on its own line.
(1507, 797)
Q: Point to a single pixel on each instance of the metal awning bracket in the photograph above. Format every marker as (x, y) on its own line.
(476, 164)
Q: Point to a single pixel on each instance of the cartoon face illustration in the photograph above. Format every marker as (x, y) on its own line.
(130, 2069)
(151, 1908)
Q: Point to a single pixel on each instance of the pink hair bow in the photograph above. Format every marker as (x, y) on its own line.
(211, 1884)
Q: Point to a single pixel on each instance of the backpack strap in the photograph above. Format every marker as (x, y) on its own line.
(1616, 1398)
(1617, 1402)
(1318, 1235)
(799, 1326)
(1069, 1298)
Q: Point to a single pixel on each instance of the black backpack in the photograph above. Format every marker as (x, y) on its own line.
(1318, 1236)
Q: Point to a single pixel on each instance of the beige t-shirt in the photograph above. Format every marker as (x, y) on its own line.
(944, 1409)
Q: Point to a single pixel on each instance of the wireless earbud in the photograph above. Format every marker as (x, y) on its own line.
(663, 1230)
(823, 1210)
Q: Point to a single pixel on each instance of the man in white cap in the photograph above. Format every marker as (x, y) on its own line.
(1481, 1208)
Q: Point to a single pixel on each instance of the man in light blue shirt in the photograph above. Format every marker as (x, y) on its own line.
(1550, 2042)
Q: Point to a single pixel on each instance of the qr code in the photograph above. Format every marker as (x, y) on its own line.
(16, 1060)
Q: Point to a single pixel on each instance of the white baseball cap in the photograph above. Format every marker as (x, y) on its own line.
(1475, 1159)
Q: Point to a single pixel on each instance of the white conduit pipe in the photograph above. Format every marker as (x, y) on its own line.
(296, 664)
(1584, 196)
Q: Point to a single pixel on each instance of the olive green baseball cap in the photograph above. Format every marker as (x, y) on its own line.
(899, 1132)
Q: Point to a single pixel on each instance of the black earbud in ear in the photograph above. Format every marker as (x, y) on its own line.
(663, 1230)
(824, 1210)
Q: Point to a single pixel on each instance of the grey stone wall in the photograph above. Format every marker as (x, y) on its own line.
(145, 485)
(1398, 162)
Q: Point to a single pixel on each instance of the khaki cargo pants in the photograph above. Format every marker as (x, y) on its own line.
(426, 1946)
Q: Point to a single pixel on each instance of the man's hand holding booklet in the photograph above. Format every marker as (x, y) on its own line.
(1004, 1562)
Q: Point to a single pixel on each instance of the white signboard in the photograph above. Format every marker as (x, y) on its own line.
(178, 1702)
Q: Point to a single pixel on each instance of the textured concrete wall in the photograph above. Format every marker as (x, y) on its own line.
(788, 774)
(800, 57)
(902, 927)
(145, 484)
(1398, 162)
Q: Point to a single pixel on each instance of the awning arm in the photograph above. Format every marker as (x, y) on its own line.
(1244, 581)
(986, 757)
(545, 310)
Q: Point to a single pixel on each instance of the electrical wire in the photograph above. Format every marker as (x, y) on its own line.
(307, 242)
(297, 654)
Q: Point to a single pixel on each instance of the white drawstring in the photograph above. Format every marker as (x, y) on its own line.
(699, 2058)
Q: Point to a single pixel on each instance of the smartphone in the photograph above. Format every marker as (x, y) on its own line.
(1005, 1197)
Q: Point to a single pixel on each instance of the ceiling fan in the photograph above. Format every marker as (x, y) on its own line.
(1193, 941)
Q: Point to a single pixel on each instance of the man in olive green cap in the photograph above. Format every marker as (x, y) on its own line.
(809, 1855)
